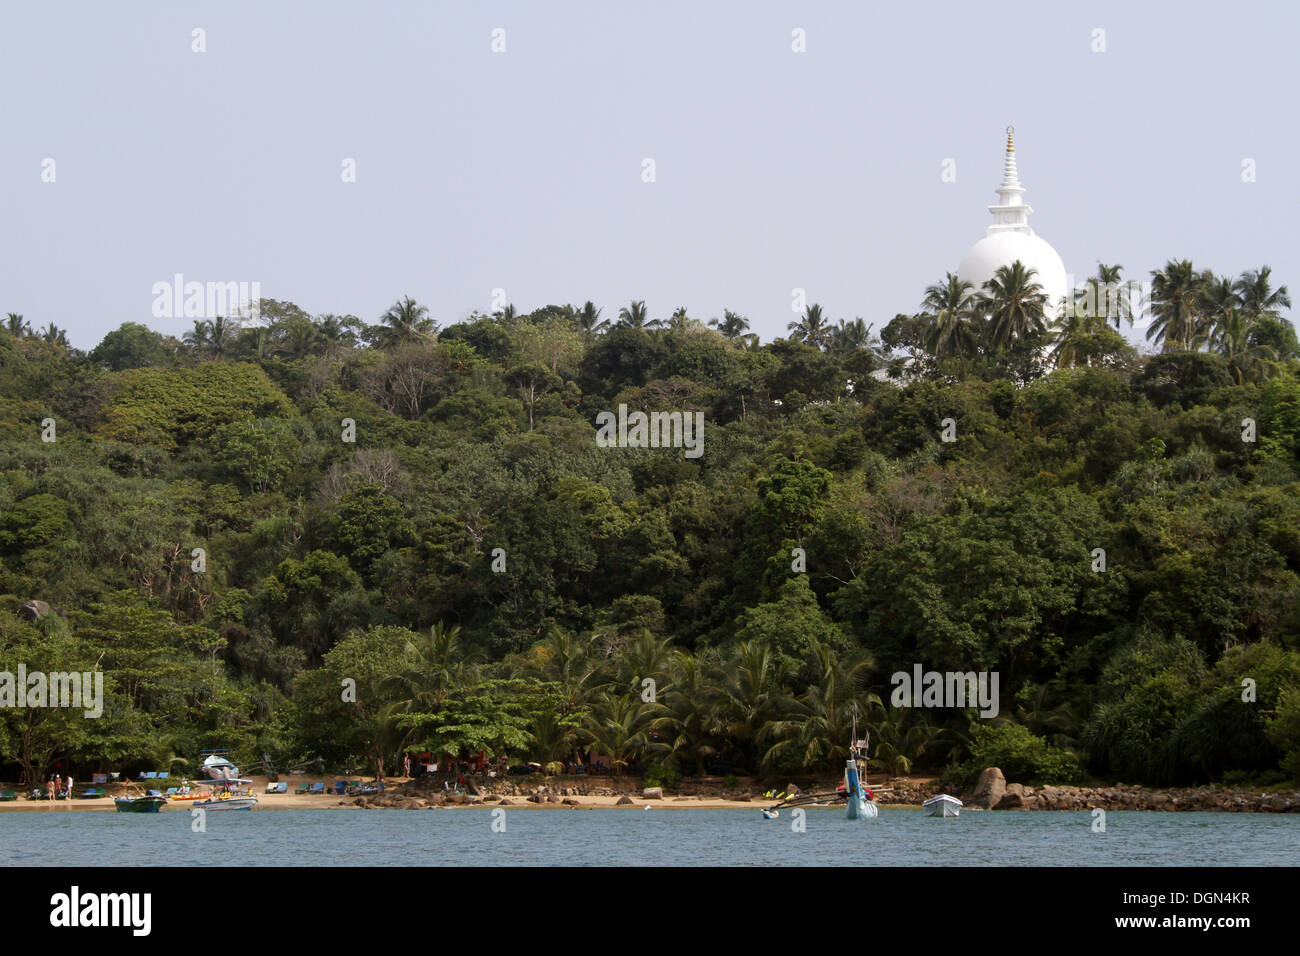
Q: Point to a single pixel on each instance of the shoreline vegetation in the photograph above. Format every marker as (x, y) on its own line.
(569, 792)
(981, 536)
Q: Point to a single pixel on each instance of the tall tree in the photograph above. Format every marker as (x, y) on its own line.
(589, 322)
(1016, 305)
(634, 316)
(952, 333)
(732, 325)
(1177, 296)
(405, 321)
(1106, 296)
(1258, 297)
(812, 328)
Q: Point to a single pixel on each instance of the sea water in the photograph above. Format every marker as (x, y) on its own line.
(639, 837)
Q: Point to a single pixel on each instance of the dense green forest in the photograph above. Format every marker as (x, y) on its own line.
(236, 526)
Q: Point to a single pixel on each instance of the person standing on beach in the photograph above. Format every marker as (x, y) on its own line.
(69, 787)
(49, 789)
(406, 765)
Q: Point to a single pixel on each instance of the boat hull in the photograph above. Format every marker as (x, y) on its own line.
(942, 806)
(138, 804)
(234, 803)
(859, 807)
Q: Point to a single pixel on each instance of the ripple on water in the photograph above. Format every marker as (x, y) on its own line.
(647, 838)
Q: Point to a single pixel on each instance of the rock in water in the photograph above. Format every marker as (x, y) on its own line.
(991, 788)
(1015, 797)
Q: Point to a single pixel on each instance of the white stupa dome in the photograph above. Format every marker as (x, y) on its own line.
(1010, 238)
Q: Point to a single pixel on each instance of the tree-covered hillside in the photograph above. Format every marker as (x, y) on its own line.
(237, 525)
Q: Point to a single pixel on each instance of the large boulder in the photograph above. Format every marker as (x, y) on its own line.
(35, 610)
(1014, 798)
(624, 801)
(990, 789)
(653, 793)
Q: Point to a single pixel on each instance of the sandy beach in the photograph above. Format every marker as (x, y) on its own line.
(395, 787)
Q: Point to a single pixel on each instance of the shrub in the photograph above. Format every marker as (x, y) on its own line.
(1022, 757)
(662, 773)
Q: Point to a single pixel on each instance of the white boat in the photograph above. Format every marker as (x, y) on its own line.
(942, 806)
(229, 790)
(227, 801)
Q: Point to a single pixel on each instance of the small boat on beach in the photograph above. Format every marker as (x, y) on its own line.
(228, 790)
(227, 801)
(942, 806)
(136, 802)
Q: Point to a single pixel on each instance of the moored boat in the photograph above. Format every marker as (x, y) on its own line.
(861, 801)
(227, 801)
(150, 802)
(942, 806)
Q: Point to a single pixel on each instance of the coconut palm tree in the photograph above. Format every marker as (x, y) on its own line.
(1070, 335)
(567, 662)
(55, 335)
(816, 728)
(1218, 301)
(619, 727)
(690, 701)
(634, 316)
(848, 337)
(679, 321)
(749, 695)
(553, 736)
(1176, 300)
(1248, 361)
(214, 338)
(589, 321)
(952, 333)
(813, 328)
(646, 657)
(338, 332)
(1105, 296)
(16, 325)
(732, 325)
(1015, 303)
(406, 321)
(1257, 295)
(436, 666)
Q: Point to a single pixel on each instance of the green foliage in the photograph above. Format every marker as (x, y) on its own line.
(1099, 535)
(1022, 757)
(132, 345)
(174, 407)
(662, 773)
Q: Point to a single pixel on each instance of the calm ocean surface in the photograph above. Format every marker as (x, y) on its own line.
(640, 838)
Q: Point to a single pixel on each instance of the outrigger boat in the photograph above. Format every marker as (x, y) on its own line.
(861, 800)
(857, 794)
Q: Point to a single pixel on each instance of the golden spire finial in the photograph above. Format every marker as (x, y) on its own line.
(1011, 139)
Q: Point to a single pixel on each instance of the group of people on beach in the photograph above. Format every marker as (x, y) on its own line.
(58, 786)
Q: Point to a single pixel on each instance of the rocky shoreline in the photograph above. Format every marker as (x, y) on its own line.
(994, 793)
(991, 793)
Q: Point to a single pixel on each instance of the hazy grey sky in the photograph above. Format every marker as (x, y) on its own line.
(522, 170)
